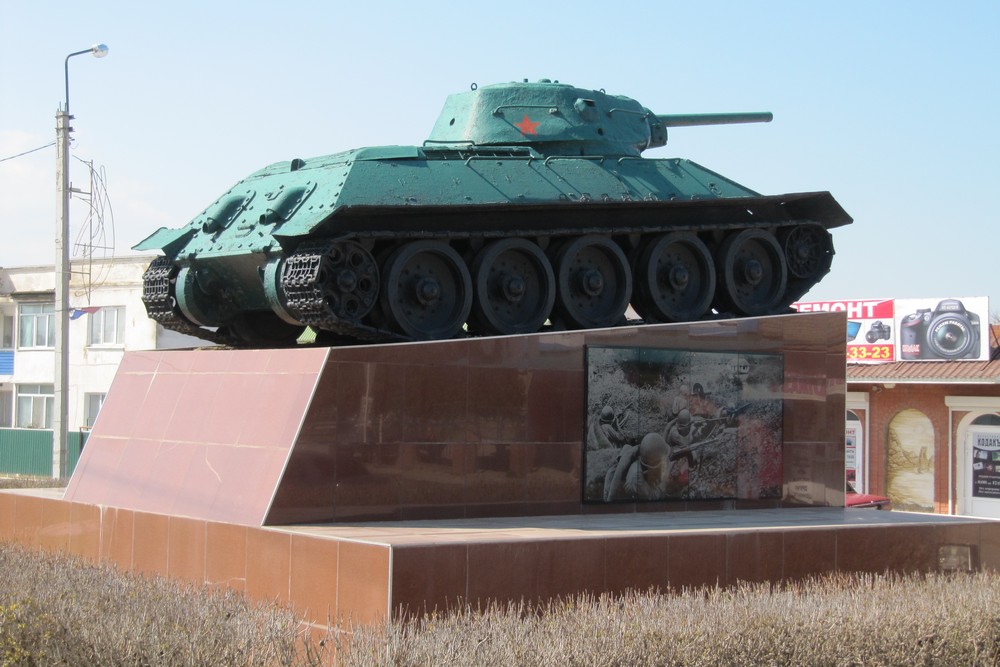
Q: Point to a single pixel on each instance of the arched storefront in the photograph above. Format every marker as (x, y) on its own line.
(925, 425)
(977, 455)
(910, 461)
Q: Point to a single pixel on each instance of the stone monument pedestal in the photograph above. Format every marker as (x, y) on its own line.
(356, 482)
(460, 429)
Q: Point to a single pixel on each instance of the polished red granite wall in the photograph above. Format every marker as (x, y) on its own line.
(495, 426)
(323, 580)
(450, 429)
(438, 574)
(364, 574)
(199, 433)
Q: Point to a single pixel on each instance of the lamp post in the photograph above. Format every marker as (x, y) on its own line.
(62, 275)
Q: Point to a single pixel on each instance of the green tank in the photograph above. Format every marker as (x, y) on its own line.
(530, 207)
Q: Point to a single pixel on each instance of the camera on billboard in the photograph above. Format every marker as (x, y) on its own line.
(947, 332)
(878, 331)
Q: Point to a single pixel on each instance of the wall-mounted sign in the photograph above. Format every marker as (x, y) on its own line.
(943, 329)
(939, 329)
(870, 327)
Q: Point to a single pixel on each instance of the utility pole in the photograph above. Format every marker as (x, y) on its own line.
(62, 276)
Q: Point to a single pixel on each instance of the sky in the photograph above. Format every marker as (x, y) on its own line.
(891, 106)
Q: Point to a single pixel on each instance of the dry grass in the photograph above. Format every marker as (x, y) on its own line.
(56, 610)
(837, 620)
(27, 482)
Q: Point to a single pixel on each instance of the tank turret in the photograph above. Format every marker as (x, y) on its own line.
(530, 206)
(558, 119)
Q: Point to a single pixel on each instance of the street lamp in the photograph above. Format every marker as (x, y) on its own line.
(62, 275)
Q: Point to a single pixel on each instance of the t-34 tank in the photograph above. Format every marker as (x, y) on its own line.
(530, 206)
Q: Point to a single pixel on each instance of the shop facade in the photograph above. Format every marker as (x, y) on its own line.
(928, 437)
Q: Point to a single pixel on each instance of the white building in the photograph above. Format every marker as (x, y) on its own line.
(107, 317)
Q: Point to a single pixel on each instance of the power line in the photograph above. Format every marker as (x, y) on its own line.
(33, 150)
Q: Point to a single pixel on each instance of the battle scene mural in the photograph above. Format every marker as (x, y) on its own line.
(666, 424)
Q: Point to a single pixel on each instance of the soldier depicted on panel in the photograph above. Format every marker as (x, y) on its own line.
(682, 425)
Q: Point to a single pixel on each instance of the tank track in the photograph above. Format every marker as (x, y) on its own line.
(307, 281)
(161, 305)
(301, 282)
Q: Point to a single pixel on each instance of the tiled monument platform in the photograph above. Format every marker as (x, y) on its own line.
(356, 482)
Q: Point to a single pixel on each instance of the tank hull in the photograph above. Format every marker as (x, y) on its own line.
(414, 243)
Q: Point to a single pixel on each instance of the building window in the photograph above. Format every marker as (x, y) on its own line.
(37, 326)
(987, 420)
(107, 326)
(6, 409)
(92, 405)
(35, 403)
(7, 332)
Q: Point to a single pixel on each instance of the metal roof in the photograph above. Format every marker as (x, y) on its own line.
(927, 372)
(933, 372)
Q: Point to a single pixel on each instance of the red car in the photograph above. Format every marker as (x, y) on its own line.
(857, 500)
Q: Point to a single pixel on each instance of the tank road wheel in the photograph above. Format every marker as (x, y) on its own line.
(514, 288)
(594, 282)
(427, 293)
(752, 273)
(675, 279)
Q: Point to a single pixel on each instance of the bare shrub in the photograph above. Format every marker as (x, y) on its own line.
(56, 610)
(835, 620)
(28, 482)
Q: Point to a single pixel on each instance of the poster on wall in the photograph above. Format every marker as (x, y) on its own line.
(986, 465)
(852, 436)
(666, 424)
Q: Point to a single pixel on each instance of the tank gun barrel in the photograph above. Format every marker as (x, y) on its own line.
(688, 120)
(658, 123)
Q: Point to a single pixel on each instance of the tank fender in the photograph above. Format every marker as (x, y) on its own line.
(168, 240)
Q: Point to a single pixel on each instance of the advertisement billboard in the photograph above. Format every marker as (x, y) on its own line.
(870, 327)
(926, 329)
(943, 329)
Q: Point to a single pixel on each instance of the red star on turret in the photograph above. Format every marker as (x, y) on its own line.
(527, 126)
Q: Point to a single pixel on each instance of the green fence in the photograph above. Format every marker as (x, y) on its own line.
(28, 451)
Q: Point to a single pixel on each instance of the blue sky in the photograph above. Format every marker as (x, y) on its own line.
(891, 106)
